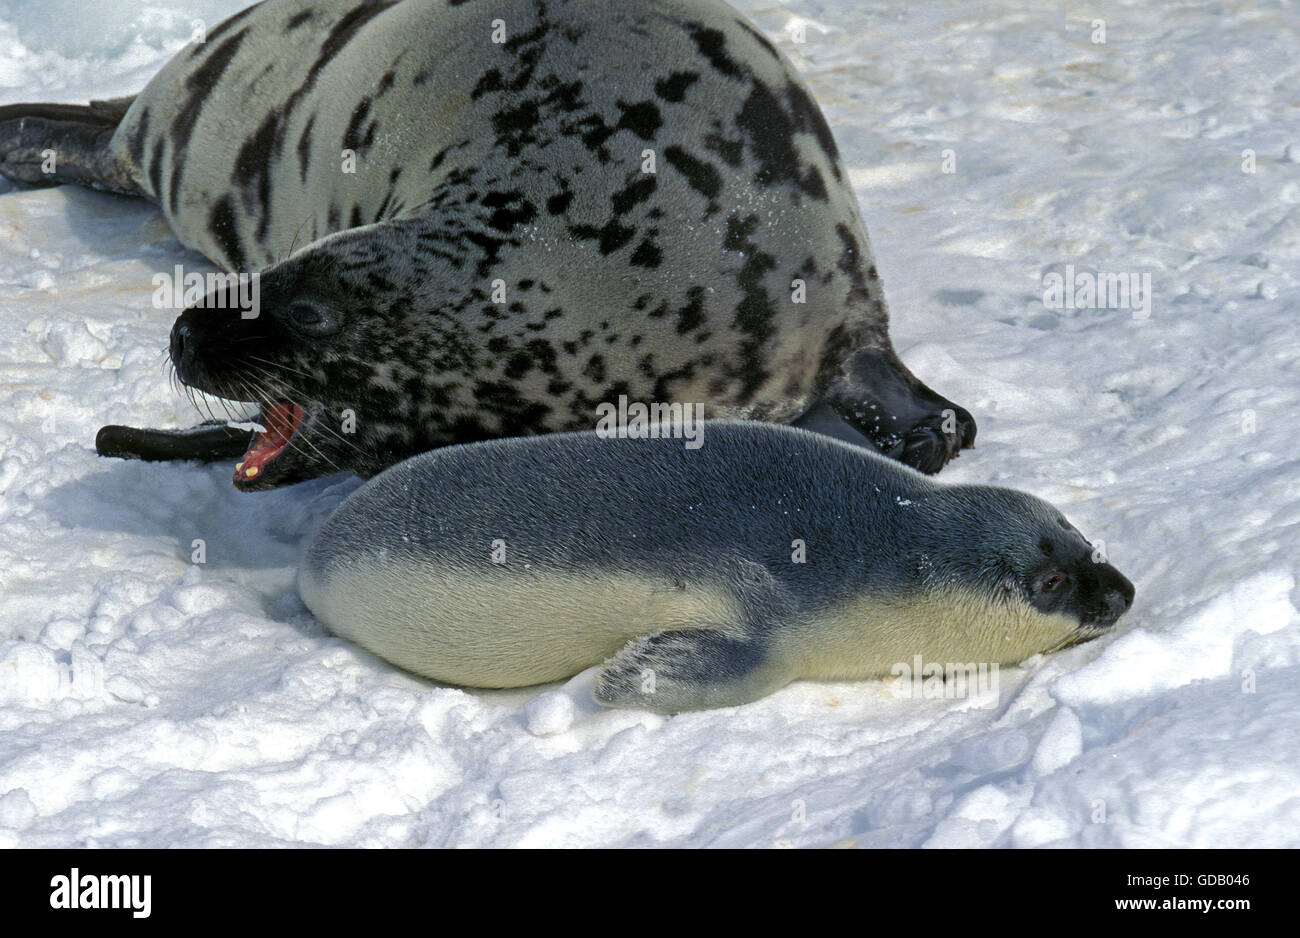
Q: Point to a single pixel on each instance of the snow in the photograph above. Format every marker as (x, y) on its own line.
(147, 700)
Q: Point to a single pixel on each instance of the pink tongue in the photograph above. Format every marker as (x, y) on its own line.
(281, 421)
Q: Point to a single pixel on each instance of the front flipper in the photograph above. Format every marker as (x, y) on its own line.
(902, 418)
(691, 669)
(208, 442)
(822, 418)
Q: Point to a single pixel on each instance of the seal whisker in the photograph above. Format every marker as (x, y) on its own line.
(294, 242)
(262, 385)
(280, 365)
(274, 390)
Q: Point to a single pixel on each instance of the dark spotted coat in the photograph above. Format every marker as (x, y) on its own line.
(516, 164)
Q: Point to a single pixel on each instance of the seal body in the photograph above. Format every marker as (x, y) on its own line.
(476, 219)
(700, 578)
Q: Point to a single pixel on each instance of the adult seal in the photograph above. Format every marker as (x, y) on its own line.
(482, 219)
(700, 578)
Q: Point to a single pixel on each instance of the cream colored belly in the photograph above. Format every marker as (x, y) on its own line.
(484, 627)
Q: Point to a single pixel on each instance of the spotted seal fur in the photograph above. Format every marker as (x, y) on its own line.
(482, 219)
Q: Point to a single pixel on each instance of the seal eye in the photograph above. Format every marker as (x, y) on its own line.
(312, 318)
(1053, 582)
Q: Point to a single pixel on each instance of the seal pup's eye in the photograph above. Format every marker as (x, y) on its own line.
(1053, 581)
(312, 318)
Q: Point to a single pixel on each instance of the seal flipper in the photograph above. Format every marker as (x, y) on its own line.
(51, 144)
(822, 418)
(877, 396)
(692, 669)
(208, 442)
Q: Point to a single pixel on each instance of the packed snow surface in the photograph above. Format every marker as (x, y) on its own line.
(146, 700)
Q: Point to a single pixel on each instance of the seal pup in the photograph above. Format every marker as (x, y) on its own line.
(701, 578)
(476, 220)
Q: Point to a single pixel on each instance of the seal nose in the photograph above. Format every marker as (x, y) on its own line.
(1118, 595)
(1116, 604)
(184, 345)
(180, 339)
(1122, 591)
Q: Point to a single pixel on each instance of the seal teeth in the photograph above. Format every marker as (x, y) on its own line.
(282, 422)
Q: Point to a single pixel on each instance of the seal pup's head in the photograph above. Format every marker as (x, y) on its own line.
(1022, 550)
(953, 574)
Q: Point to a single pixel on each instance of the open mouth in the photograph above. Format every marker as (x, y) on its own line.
(281, 422)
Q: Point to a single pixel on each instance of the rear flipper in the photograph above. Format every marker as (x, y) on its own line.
(52, 144)
(208, 442)
(901, 417)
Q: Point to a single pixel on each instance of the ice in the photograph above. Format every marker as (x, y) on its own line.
(146, 700)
